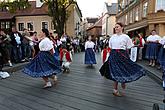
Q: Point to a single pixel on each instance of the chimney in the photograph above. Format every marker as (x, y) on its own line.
(38, 3)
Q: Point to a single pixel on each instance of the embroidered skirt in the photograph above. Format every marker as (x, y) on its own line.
(90, 56)
(44, 64)
(152, 51)
(161, 57)
(120, 68)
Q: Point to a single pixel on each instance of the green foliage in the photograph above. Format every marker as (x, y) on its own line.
(57, 9)
(15, 5)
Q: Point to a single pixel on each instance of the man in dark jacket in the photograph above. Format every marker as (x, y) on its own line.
(16, 41)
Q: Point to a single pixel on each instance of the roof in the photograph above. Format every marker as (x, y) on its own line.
(112, 9)
(92, 20)
(32, 11)
(97, 24)
(78, 9)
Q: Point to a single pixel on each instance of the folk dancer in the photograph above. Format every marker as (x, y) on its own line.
(89, 52)
(152, 47)
(66, 58)
(119, 67)
(44, 64)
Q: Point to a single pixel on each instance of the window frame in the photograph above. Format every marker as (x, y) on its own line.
(45, 22)
(30, 27)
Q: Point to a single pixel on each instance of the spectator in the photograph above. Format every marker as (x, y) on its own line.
(16, 41)
(5, 40)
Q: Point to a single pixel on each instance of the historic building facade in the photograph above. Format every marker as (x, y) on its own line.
(142, 16)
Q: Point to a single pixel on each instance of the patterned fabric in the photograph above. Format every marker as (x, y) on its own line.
(161, 57)
(151, 51)
(44, 64)
(90, 56)
(57, 59)
(120, 68)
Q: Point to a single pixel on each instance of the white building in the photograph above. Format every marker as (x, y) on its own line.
(109, 18)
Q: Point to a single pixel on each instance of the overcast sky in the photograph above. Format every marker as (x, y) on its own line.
(92, 8)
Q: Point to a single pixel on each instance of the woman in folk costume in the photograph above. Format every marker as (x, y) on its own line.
(161, 59)
(44, 63)
(152, 47)
(119, 67)
(66, 58)
(89, 52)
(161, 55)
(105, 53)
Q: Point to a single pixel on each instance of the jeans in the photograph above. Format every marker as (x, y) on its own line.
(17, 53)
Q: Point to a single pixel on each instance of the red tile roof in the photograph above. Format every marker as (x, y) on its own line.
(32, 11)
(97, 24)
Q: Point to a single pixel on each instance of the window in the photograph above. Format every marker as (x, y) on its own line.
(20, 26)
(3, 25)
(7, 25)
(137, 14)
(130, 17)
(123, 4)
(126, 19)
(160, 5)
(30, 26)
(44, 25)
(145, 6)
(52, 26)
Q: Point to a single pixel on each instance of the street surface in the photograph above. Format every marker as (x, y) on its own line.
(82, 89)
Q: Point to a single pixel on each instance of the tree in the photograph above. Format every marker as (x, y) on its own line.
(15, 5)
(57, 9)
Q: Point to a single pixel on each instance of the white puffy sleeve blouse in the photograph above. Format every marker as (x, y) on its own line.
(89, 44)
(45, 45)
(122, 41)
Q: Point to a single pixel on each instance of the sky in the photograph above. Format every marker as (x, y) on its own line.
(92, 8)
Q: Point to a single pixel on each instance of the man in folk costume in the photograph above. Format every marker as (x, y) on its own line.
(66, 58)
(105, 53)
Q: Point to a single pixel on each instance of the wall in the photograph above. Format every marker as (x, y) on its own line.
(36, 22)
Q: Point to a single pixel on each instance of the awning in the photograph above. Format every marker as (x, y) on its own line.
(135, 28)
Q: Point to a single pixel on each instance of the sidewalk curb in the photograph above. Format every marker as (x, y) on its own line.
(152, 75)
(15, 68)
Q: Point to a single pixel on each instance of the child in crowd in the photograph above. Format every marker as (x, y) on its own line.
(105, 53)
(66, 59)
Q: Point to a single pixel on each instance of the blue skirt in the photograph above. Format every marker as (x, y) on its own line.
(120, 68)
(152, 51)
(90, 56)
(44, 64)
(161, 58)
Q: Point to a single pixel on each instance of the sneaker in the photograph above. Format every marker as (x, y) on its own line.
(48, 85)
(23, 60)
(67, 70)
(55, 78)
(153, 65)
(10, 64)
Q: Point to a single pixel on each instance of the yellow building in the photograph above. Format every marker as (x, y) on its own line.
(73, 27)
(142, 16)
(36, 17)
